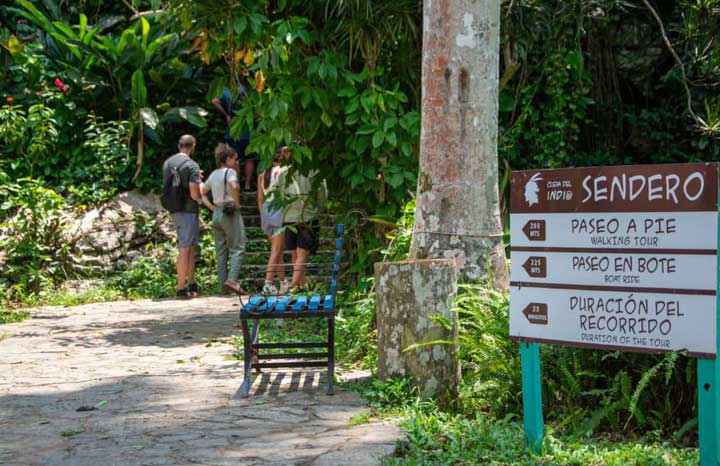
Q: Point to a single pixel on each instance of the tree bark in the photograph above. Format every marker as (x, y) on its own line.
(458, 213)
(411, 342)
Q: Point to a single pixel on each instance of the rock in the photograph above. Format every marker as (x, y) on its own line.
(409, 294)
(110, 236)
(73, 287)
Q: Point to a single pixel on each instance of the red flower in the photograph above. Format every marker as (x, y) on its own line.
(9, 99)
(58, 83)
(64, 89)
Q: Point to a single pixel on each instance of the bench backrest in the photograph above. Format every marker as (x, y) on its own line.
(339, 230)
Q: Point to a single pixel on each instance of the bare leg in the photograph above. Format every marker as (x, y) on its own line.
(249, 173)
(277, 246)
(300, 258)
(191, 265)
(182, 266)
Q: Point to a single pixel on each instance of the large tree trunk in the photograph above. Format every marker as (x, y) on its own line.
(458, 213)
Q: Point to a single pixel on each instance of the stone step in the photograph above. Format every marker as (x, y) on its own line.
(326, 252)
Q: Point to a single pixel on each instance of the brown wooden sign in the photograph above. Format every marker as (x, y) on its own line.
(641, 188)
(616, 257)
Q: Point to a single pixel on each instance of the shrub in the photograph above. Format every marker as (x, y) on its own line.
(35, 250)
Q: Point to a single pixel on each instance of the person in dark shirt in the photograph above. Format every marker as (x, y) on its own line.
(227, 108)
(187, 222)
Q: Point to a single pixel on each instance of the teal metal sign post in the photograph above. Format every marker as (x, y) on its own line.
(532, 395)
(709, 402)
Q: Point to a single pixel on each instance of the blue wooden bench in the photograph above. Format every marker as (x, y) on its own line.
(318, 306)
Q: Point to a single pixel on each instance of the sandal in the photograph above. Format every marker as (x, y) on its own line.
(193, 289)
(231, 287)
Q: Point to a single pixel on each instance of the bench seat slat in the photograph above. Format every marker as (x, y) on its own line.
(255, 300)
(300, 303)
(328, 302)
(268, 305)
(283, 304)
(314, 303)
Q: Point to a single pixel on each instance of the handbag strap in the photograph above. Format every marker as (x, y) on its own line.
(225, 185)
(225, 188)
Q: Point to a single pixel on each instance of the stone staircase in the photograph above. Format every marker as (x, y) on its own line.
(257, 248)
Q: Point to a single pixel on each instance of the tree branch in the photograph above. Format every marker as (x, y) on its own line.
(138, 14)
(675, 56)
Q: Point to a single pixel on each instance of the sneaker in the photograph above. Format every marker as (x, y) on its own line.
(183, 294)
(193, 289)
(269, 288)
(231, 287)
(284, 287)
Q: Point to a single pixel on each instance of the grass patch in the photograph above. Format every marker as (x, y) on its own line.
(435, 437)
(360, 419)
(10, 317)
(440, 438)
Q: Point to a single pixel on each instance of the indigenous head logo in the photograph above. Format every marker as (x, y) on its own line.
(532, 189)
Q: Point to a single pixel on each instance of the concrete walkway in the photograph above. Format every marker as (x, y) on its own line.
(155, 383)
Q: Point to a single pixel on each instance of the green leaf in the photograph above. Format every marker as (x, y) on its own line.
(396, 180)
(348, 91)
(193, 115)
(347, 170)
(15, 46)
(33, 12)
(366, 104)
(145, 26)
(126, 38)
(240, 25)
(352, 119)
(406, 148)
(89, 36)
(378, 139)
(356, 180)
(506, 102)
(389, 123)
(82, 26)
(154, 45)
(366, 129)
(325, 118)
(68, 43)
(149, 117)
(138, 90)
(62, 27)
(352, 106)
(305, 97)
(574, 59)
(391, 138)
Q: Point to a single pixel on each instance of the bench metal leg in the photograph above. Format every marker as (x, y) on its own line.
(254, 350)
(247, 360)
(331, 354)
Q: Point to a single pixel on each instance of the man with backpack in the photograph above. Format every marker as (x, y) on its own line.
(180, 193)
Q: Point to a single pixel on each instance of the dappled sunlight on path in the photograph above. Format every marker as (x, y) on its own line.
(154, 383)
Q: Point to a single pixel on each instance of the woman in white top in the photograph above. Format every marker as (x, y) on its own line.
(227, 223)
(271, 222)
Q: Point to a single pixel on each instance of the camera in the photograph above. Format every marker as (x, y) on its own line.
(229, 210)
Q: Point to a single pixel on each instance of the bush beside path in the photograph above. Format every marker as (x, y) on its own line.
(155, 383)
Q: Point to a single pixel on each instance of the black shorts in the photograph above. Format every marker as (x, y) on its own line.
(305, 238)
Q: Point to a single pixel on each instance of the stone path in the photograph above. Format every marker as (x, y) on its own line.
(155, 383)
